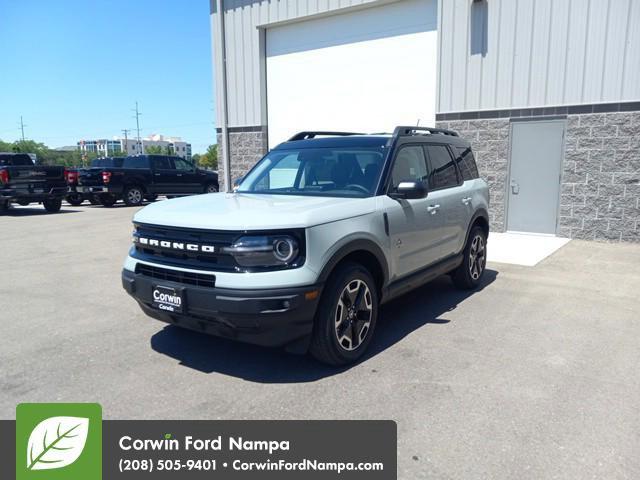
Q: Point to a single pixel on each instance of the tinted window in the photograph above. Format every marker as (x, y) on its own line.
(182, 164)
(162, 163)
(18, 159)
(466, 163)
(136, 162)
(410, 165)
(107, 162)
(442, 173)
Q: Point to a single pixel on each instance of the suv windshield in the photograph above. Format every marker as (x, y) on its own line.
(330, 172)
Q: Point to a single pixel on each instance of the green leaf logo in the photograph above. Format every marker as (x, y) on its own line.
(56, 442)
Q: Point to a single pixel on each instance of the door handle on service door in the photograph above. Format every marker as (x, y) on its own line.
(433, 209)
(515, 187)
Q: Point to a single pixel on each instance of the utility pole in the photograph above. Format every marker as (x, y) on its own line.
(126, 131)
(22, 125)
(140, 146)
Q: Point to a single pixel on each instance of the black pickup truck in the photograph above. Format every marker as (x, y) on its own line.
(137, 177)
(23, 182)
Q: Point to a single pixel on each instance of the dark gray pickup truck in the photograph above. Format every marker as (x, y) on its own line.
(23, 182)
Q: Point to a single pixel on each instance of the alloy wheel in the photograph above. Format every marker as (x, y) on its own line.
(477, 257)
(353, 315)
(134, 196)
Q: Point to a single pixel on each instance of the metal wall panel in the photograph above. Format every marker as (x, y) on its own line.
(244, 44)
(539, 52)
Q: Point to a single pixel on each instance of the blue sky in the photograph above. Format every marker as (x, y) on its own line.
(75, 68)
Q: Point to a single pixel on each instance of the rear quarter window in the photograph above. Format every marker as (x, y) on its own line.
(466, 163)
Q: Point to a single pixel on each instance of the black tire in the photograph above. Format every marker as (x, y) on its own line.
(4, 207)
(23, 203)
(210, 188)
(332, 340)
(107, 199)
(151, 198)
(93, 200)
(74, 199)
(469, 274)
(52, 205)
(133, 196)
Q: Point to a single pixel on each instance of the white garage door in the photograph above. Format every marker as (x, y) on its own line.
(367, 70)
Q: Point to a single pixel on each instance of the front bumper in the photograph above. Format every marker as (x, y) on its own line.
(268, 317)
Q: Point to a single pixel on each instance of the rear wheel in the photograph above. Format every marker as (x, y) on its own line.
(347, 316)
(93, 200)
(52, 205)
(107, 199)
(74, 199)
(469, 274)
(133, 196)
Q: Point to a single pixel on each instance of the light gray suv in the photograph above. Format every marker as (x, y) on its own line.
(324, 229)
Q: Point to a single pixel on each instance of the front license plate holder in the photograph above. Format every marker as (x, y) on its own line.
(168, 299)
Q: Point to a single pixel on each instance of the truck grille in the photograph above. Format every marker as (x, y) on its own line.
(176, 276)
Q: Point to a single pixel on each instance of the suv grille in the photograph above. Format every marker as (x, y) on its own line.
(188, 278)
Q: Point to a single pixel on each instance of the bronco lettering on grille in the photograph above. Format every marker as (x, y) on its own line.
(192, 247)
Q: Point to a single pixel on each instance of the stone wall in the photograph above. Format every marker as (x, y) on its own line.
(600, 191)
(247, 146)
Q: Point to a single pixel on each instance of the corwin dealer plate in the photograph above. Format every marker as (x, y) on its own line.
(167, 299)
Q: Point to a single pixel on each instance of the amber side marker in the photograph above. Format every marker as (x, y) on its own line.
(311, 295)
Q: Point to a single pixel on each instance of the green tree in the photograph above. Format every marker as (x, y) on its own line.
(210, 159)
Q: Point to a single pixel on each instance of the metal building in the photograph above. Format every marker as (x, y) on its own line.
(548, 91)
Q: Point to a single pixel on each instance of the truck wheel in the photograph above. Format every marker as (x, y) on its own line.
(210, 188)
(74, 199)
(4, 207)
(133, 196)
(346, 317)
(469, 274)
(107, 199)
(52, 205)
(93, 200)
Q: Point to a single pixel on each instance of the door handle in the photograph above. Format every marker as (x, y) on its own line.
(515, 187)
(157, 174)
(466, 200)
(179, 174)
(433, 209)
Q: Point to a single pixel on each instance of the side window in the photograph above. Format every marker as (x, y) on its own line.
(135, 162)
(182, 164)
(442, 173)
(162, 163)
(466, 163)
(410, 164)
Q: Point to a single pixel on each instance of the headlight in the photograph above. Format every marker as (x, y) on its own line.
(264, 250)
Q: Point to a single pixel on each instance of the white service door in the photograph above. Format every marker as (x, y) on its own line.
(365, 71)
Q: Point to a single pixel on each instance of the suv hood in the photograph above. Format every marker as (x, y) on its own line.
(242, 211)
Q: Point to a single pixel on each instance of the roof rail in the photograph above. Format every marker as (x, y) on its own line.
(405, 130)
(308, 135)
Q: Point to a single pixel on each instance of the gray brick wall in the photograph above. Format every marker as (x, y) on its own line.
(600, 196)
(246, 149)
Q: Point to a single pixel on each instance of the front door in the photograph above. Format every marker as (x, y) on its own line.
(165, 179)
(535, 175)
(414, 226)
(188, 178)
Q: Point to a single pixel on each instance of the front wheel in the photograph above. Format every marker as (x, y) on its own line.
(469, 274)
(346, 318)
(52, 205)
(210, 188)
(74, 199)
(133, 196)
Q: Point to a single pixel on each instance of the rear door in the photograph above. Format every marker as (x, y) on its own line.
(446, 194)
(413, 229)
(165, 178)
(188, 178)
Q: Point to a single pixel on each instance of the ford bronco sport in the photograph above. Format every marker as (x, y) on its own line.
(319, 233)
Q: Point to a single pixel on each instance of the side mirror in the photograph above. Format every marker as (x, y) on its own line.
(410, 190)
(236, 183)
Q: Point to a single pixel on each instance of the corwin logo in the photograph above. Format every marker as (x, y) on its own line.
(160, 297)
(171, 245)
(58, 441)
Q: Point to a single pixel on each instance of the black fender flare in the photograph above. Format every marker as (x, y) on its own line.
(352, 246)
(480, 213)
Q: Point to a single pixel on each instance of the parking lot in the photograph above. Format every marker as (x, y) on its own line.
(536, 375)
